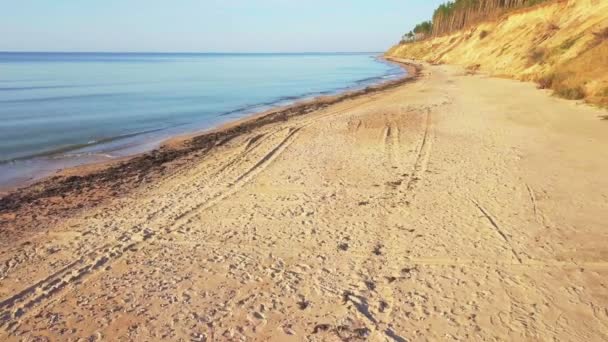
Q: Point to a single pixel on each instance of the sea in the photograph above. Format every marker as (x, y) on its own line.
(59, 110)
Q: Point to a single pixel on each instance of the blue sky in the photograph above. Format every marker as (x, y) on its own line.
(208, 25)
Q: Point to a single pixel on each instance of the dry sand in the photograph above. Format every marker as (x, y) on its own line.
(457, 207)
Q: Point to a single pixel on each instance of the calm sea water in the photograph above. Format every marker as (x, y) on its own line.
(64, 109)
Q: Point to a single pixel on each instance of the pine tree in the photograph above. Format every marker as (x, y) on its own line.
(458, 14)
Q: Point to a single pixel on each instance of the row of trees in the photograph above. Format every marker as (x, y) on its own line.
(420, 31)
(458, 14)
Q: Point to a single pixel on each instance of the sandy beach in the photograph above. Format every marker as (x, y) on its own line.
(448, 206)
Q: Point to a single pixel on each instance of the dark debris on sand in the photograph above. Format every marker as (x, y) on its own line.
(39, 205)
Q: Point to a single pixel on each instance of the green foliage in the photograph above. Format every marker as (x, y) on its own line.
(457, 14)
(425, 27)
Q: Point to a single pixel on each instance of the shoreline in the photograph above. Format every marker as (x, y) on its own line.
(338, 215)
(45, 165)
(101, 180)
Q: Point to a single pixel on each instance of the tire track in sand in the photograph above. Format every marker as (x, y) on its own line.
(44, 292)
(498, 229)
(15, 307)
(423, 156)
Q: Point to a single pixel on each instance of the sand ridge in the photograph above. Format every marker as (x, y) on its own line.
(437, 210)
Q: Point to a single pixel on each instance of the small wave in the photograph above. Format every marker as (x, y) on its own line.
(238, 110)
(369, 79)
(82, 155)
(61, 151)
(291, 98)
(39, 87)
(24, 80)
(286, 99)
(259, 106)
(62, 98)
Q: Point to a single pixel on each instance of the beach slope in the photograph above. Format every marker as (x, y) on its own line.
(455, 207)
(561, 45)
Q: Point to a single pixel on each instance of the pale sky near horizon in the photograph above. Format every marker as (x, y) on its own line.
(208, 25)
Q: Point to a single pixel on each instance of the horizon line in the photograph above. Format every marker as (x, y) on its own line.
(192, 52)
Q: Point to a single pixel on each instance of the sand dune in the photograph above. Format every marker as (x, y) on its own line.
(562, 45)
(455, 207)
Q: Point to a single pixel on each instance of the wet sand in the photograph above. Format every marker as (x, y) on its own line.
(454, 207)
(77, 189)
